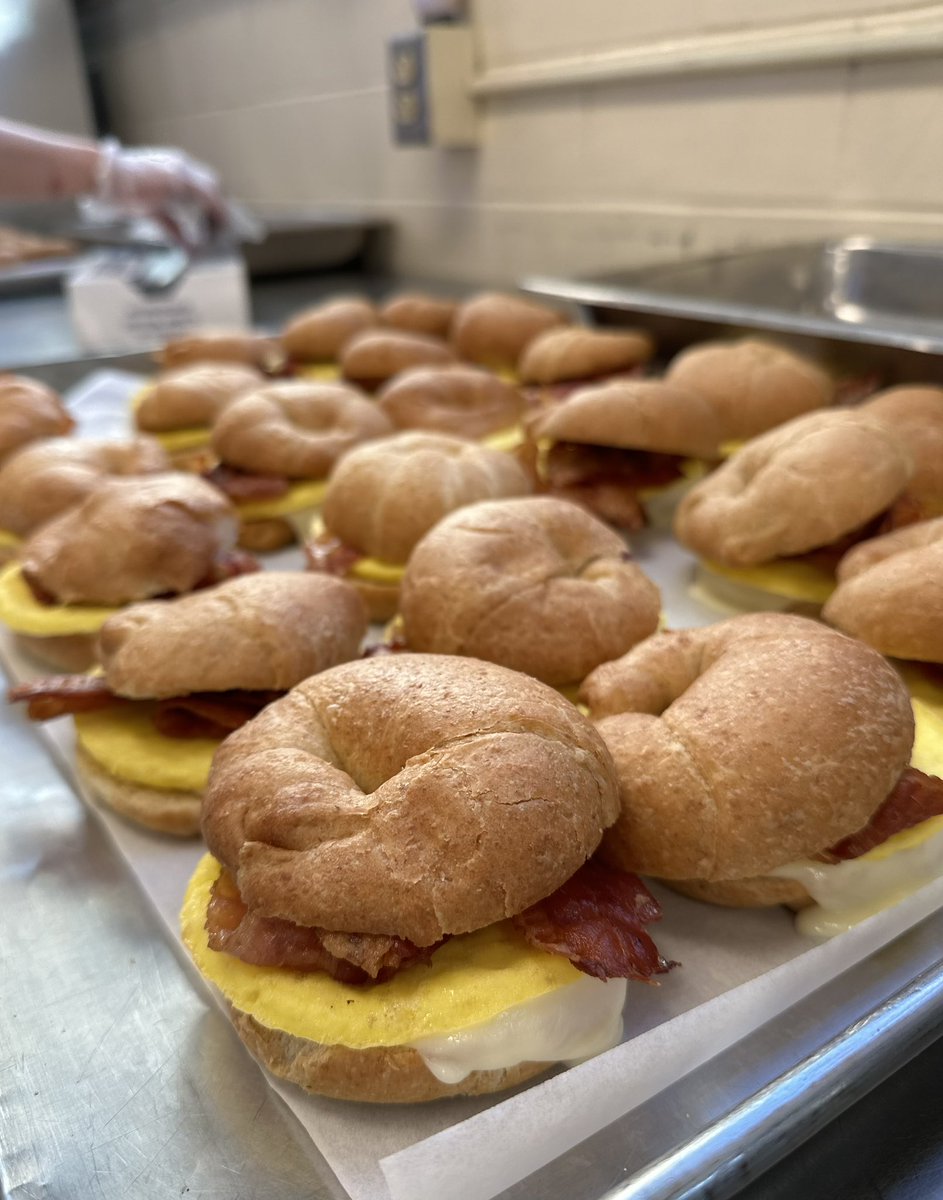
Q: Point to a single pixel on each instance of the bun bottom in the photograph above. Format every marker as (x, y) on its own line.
(176, 813)
(379, 1075)
(265, 534)
(381, 599)
(73, 652)
(762, 891)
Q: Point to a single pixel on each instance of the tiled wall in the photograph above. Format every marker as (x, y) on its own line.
(287, 98)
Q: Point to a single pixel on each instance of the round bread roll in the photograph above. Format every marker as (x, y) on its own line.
(297, 429)
(746, 745)
(559, 355)
(131, 539)
(535, 584)
(751, 384)
(493, 328)
(192, 396)
(416, 313)
(798, 487)
(72, 653)
(43, 480)
(643, 415)
(890, 592)
(460, 400)
(371, 358)
(319, 334)
(163, 810)
(385, 796)
(384, 496)
(915, 416)
(28, 411)
(222, 345)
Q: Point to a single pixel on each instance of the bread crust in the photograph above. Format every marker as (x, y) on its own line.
(373, 357)
(176, 813)
(535, 584)
(636, 415)
(380, 1074)
(415, 312)
(261, 632)
(459, 400)
(890, 592)
(265, 534)
(493, 328)
(42, 480)
(72, 652)
(410, 794)
(383, 497)
(297, 430)
(222, 345)
(753, 385)
(915, 416)
(191, 396)
(28, 411)
(380, 599)
(559, 355)
(746, 745)
(319, 334)
(762, 891)
(131, 539)
(798, 487)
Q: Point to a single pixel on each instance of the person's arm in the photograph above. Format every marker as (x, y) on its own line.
(38, 165)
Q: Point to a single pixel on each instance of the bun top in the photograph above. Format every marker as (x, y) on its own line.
(643, 415)
(535, 584)
(493, 328)
(384, 496)
(29, 410)
(416, 313)
(371, 358)
(193, 396)
(460, 400)
(296, 429)
(915, 416)
(413, 795)
(44, 479)
(318, 334)
(559, 355)
(222, 345)
(131, 539)
(890, 592)
(262, 632)
(746, 745)
(798, 487)
(752, 385)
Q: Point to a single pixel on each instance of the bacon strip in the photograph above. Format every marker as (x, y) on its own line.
(572, 463)
(243, 486)
(597, 920)
(209, 714)
(331, 556)
(916, 798)
(61, 694)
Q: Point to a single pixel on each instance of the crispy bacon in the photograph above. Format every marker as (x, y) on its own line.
(597, 920)
(228, 566)
(906, 510)
(614, 503)
(61, 694)
(331, 556)
(572, 463)
(553, 393)
(916, 798)
(209, 714)
(272, 942)
(243, 486)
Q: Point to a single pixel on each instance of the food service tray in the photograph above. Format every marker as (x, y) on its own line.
(187, 1111)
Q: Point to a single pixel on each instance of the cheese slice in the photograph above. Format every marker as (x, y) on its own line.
(770, 585)
(371, 570)
(729, 449)
(173, 439)
(20, 609)
(325, 372)
(304, 494)
(9, 541)
(505, 439)
(125, 743)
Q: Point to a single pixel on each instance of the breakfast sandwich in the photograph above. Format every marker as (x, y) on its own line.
(561, 361)
(313, 339)
(370, 359)
(415, 312)
(29, 410)
(223, 345)
(460, 400)
(493, 329)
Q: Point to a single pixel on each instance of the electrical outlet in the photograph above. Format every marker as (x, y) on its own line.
(431, 74)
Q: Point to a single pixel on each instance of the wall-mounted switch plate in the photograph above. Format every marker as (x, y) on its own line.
(430, 87)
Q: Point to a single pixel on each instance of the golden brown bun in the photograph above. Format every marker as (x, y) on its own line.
(643, 415)
(384, 496)
(261, 632)
(176, 813)
(131, 539)
(762, 891)
(890, 592)
(798, 487)
(371, 358)
(493, 328)
(319, 334)
(222, 345)
(563, 354)
(416, 313)
(266, 534)
(72, 652)
(915, 415)
(536, 584)
(296, 429)
(463, 401)
(29, 410)
(752, 385)
(43, 480)
(193, 396)
(747, 745)
(381, 1074)
(412, 794)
